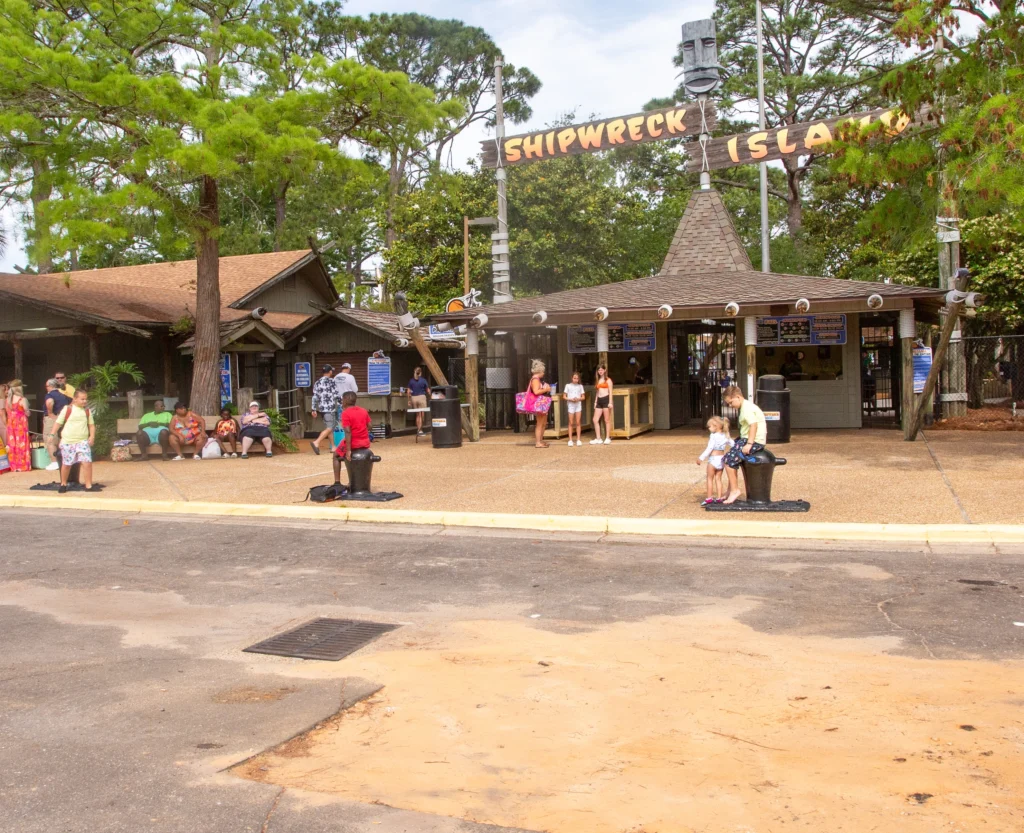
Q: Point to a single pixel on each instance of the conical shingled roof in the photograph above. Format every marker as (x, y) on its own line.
(706, 240)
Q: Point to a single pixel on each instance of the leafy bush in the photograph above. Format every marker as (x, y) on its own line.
(279, 430)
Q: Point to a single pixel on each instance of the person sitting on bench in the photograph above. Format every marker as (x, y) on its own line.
(155, 429)
(187, 428)
(355, 425)
(255, 426)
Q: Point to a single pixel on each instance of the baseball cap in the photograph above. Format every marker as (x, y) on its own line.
(326, 368)
(346, 365)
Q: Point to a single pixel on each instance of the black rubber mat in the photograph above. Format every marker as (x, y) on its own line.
(371, 497)
(774, 506)
(72, 487)
(324, 639)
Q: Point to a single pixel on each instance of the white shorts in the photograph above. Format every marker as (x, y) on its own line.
(574, 407)
(717, 463)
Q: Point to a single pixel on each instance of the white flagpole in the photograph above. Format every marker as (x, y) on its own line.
(763, 167)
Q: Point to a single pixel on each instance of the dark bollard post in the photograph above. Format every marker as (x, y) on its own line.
(757, 477)
(360, 469)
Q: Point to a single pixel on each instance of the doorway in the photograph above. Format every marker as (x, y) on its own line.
(880, 364)
(702, 363)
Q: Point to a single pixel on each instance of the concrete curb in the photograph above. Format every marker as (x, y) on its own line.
(913, 533)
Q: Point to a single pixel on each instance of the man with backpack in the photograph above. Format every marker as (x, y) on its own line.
(77, 430)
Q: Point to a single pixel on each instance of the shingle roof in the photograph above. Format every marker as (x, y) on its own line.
(153, 293)
(705, 239)
(706, 266)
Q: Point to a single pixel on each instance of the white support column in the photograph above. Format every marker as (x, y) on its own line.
(602, 336)
(750, 340)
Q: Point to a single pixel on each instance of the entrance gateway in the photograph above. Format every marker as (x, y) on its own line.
(716, 321)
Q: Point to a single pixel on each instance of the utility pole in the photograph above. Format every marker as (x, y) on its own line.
(499, 239)
(763, 167)
(953, 392)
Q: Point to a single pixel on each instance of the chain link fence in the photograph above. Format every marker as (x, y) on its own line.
(995, 370)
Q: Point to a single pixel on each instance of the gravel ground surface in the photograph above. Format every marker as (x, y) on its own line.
(848, 476)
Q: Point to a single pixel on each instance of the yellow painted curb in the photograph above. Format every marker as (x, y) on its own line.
(340, 513)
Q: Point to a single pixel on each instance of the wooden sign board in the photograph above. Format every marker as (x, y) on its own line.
(605, 134)
(791, 140)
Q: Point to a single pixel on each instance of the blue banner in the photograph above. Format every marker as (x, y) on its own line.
(225, 379)
(922, 366)
(378, 375)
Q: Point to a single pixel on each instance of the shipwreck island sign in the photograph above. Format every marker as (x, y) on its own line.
(604, 134)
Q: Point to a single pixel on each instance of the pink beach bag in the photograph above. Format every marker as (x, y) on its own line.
(530, 403)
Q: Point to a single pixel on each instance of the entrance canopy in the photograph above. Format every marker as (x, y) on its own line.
(706, 270)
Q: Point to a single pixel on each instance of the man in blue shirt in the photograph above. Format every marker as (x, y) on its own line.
(416, 396)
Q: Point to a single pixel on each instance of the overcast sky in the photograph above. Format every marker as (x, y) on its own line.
(605, 57)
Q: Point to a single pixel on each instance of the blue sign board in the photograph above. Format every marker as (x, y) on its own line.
(225, 379)
(303, 374)
(922, 358)
(378, 375)
(829, 328)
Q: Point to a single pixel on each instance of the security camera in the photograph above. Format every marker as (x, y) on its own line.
(540, 317)
(479, 321)
(601, 314)
(875, 301)
(665, 311)
(732, 309)
(803, 305)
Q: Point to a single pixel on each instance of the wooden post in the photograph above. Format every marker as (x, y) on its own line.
(465, 254)
(136, 405)
(750, 340)
(951, 323)
(168, 376)
(19, 360)
(907, 389)
(94, 349)
(428, 358)
(473, 384)
(243, 396)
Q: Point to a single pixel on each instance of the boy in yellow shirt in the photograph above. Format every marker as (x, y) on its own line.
(77, 431)
(753, 436)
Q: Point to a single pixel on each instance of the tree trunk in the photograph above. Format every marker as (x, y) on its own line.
(206, 356)
(280, 212)
(42, 189)
(794, 206)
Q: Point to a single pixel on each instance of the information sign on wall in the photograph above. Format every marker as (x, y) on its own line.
(801, 330)
(922, 358)
(225, 379)
(378, 375)
(303, 373)
(622, 338)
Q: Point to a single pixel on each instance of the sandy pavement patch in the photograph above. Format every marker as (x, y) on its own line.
(691, 723)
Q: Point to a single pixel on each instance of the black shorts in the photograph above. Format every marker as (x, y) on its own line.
(602, 403)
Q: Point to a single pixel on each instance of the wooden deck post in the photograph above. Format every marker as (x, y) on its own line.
(19, 359)
(94, 348)
(136, 405)
(473, 384)
(907, 333)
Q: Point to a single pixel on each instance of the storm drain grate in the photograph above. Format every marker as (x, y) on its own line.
(326, 639)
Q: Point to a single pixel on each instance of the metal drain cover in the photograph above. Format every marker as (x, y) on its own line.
(326, 639)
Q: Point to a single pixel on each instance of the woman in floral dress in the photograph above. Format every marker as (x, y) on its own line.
(16, 406)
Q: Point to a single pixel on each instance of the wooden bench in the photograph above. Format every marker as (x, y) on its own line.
(128, 428)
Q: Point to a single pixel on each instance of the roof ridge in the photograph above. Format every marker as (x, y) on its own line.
(705, 239)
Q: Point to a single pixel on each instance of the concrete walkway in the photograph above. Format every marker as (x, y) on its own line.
(867, 476)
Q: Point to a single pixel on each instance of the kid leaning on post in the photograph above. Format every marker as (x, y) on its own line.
(753, 436)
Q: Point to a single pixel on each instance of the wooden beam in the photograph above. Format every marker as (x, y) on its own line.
(19, 361)
(30, 335)
(94, 348)
(428, 358)
(907, 386)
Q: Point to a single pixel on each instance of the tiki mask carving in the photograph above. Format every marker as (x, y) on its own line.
(701, 71)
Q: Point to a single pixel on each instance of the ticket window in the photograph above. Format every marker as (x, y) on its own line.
(806, 363)
(621, 370)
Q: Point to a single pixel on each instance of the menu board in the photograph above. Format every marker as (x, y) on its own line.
(801, 330)
(622, 338)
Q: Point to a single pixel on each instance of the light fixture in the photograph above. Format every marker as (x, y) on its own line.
(665, 311)
(802, 305)
(479, 321)
(875, 301)
(540, 317)
(601, 314)
(732, 309)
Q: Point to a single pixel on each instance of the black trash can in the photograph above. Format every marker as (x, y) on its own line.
(757, 475)
(445, 417)
(773, 399)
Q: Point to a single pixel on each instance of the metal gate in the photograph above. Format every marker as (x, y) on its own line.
(710, 367)
(879, 373)
(995, 370)
(499, 404)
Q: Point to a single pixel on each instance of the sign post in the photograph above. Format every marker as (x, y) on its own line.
(303, 374)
